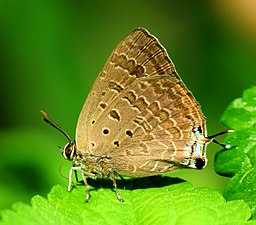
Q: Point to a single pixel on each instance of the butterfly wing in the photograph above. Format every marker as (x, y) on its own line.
(163, 124)
(138, 107)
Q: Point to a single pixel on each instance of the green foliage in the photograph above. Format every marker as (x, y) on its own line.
(239, 162)
(178, 203)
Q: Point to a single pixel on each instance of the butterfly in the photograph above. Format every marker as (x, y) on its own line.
(139, 118)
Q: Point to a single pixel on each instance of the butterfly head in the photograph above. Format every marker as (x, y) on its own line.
(69, 151)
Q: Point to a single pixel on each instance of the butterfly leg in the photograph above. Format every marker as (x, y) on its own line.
(76, 175)
(86, 187)
(112, 176)
(122, 178)
(73, 168)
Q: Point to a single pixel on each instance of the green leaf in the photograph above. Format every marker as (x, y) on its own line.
(179, 203)
(239, 162)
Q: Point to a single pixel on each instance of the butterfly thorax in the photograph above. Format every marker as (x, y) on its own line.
(91, 165)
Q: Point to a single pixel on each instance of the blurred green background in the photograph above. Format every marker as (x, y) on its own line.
(51, 52)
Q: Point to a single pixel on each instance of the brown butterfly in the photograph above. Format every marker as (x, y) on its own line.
(139, 118)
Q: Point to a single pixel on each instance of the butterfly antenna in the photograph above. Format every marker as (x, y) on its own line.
(48, 120)
(219, 134)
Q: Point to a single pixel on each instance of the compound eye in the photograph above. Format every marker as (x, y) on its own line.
(199, 163)
(69, 151)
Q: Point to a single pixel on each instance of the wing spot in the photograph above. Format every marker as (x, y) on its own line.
(106, 131)
(115, 115)
(103, 105)
(116, 143)
(113, 57)
(123, 61)
(138, 71)
(140, 103)
(144, 85)
(130, 64)
(129, 133)
(130, 97)
(113, 85)
(143, 123)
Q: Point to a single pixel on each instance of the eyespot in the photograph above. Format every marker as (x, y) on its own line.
(199, 163)
(105, 131)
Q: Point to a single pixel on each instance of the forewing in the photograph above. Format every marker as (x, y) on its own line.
(137, 102)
